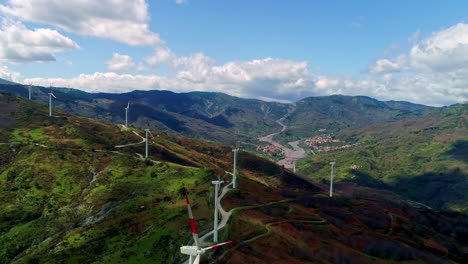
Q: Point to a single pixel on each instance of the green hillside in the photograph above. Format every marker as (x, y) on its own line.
(423, 158)
(69, 194)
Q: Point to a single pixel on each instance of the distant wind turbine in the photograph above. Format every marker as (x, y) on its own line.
(216, 195)
(50, 100)
(234, 169)
(146, 147)
(331, 178)
(126, 115)
(30, 86)
(195, 251)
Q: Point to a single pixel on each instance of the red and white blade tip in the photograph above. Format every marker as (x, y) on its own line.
(186, 197)
(218, 245)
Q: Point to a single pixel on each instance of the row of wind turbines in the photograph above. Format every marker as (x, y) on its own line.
(51, 94)
(196, 251)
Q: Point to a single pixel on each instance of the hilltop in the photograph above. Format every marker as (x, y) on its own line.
(68, 195)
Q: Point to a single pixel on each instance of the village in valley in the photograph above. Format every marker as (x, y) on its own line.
(320, 143)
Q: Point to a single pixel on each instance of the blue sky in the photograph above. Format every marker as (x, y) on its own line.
(272, 50)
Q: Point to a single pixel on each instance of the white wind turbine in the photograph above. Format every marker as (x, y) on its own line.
(195, 251)
(126, 115)
(50, 100)
(30, 86)
(331, 178)
(234, 169)
(146, 141)
(216, 202)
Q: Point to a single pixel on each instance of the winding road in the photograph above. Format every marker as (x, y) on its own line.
(290, 155)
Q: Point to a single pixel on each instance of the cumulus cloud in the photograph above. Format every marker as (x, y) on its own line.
(423, 75)
(122, 21)
(119, 63)
(19, 44)
(388, 66)
(443, 51)
(275, 79)
(7, 74)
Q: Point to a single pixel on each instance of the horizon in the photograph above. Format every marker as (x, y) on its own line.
(247, 98)
(241, 48)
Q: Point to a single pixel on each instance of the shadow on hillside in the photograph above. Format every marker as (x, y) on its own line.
(365, 179)
(460, 150)
(435, 189)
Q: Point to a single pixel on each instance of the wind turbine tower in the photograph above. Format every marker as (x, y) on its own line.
(331, 178)
(148, 132)
(195, 251)
(217, 184)
(50, 100)
(126, 115)
(234, 169)
(29, 95)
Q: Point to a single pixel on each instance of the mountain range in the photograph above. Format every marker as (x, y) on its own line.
(220, 117)
(73, 189)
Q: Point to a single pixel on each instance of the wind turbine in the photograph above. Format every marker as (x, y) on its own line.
(30, 86)
(195, 251)
(126, 115)
(215, 225)
(331, 178)
(234, 169)
(146, 141)
(50, 100)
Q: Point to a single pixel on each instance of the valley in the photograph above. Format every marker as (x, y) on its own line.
(290, 155)
(66, 211)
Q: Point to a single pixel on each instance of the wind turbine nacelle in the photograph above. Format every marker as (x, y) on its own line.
(191, 250)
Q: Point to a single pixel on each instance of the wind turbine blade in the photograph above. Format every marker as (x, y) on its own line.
(218, 245)
(151, 134)
(197, 260)
(52, 95)
(128, 105)
(192, 221)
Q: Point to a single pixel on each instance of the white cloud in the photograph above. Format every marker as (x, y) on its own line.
(7, 74)
(181, 2)
(445, 50)
(388, 66)
(19, 44)
(119, 63)
(423, 75)
(124, 21)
